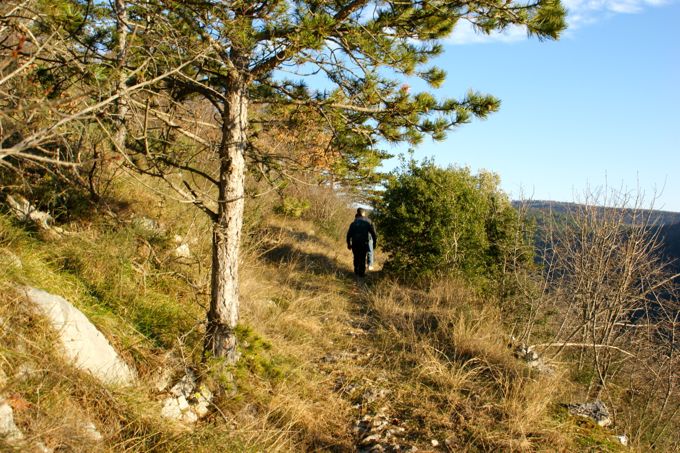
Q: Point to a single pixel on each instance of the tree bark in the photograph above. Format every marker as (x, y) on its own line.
(220, 340)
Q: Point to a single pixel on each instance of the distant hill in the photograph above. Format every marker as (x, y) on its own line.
(666, 221)
(660, 218)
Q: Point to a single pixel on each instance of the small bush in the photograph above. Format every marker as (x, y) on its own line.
(437, 221)
(293, 207)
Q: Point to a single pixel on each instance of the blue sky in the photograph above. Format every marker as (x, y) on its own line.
(601, 106)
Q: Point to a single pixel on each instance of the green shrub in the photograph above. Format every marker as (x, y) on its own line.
(435, 221)
(293, 207)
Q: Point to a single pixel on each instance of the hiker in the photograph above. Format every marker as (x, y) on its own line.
(361, 238)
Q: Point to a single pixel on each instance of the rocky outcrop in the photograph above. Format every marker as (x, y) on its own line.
(82, 343)
(594, 410)
(188, 401)
(8, 429)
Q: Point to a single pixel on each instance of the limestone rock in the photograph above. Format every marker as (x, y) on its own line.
(622, 439)
(185, 404)
(83, 344)
(25, 211)
(376, 433)
(8, 429)
(148, 224)
(595, 410)
(182, 251)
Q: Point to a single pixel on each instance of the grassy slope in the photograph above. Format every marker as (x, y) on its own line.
(319, 351)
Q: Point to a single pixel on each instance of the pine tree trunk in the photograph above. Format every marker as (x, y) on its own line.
(220, 338)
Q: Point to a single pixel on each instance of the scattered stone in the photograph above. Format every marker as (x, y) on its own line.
(595, 410)
(203, 400)
(371, 395)
(434, 442)
(8, 429)
(532, 359)
(378, 433)
(185, 404)
(171, 409)
(623, 439)
(83, 344)
(148, 224)
(25, 211)
(334, 358)
(182, 251)
(91, 431)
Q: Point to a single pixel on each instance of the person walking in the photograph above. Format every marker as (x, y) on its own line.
(361, 237)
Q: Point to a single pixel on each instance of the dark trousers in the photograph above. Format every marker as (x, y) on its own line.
(359, 251)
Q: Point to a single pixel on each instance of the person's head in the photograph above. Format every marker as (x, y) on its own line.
(361, 212)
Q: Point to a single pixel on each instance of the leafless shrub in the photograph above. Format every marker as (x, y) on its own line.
(613, 308)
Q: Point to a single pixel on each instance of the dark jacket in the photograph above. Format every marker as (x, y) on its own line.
(359, 232)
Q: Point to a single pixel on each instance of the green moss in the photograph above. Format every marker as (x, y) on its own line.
(258, 358)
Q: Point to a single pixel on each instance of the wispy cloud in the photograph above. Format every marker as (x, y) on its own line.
(580, 13)
(464, 33)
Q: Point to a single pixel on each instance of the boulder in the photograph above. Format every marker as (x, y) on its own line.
(595, 410)
(8, 429)
(82, 343)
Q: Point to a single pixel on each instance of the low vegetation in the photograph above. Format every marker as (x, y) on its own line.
(319, 352)
(128, 126)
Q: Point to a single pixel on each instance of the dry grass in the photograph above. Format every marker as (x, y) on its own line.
(319, 350)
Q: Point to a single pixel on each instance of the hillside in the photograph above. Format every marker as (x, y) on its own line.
(658, 217)
(327, 364)
(665, 223)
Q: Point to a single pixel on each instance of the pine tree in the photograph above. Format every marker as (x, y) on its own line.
(348, 60)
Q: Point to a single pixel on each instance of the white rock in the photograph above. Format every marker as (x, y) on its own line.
(623, 439)
(171, 409)
(185, 386)
(83, 344)
(183, 251)
(189, 417)
(23, 210)
(203, 400)
(91, 431)
(7, 427)
(148, 224)
(434, 442)
(182, 403)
